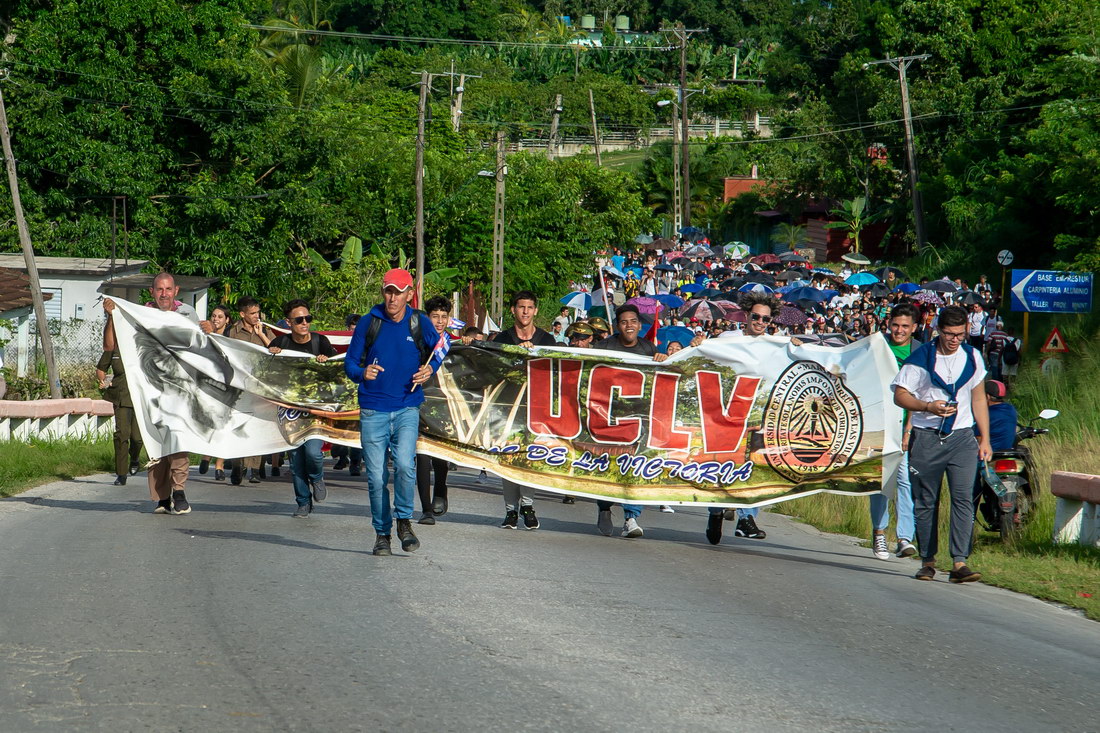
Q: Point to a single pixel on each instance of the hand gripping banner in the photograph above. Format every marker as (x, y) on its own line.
(733, 422)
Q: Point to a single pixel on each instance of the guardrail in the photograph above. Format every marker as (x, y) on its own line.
(55, 419)
(1077, 514)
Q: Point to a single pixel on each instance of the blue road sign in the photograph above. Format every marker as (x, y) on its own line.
(1046, 291)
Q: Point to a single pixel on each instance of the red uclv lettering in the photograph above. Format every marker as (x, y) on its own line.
(662, 415)
(553, 397)
(724, 423)
(604, 383)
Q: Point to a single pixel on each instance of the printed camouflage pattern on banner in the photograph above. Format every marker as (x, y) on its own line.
(735, 421)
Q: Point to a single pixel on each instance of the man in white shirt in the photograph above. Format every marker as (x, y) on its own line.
(977, 321)
(942, 386)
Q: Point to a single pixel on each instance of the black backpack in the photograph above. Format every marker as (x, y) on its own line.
(414, 330)
(1011, 354)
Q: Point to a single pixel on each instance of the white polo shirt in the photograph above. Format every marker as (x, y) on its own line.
(919, 383)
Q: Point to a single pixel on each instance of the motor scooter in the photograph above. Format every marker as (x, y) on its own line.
(1008, 484)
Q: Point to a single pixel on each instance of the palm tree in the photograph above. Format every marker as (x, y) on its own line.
(791, 235)
(854, 217)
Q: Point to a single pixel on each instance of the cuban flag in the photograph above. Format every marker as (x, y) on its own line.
(439, 353)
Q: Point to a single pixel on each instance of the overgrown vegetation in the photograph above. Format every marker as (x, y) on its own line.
(25, 465)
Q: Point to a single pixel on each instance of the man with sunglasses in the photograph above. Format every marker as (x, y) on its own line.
(941, 384)
(760, 309)
(306, 461)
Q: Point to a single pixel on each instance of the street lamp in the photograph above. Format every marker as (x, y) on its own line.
(677, 193)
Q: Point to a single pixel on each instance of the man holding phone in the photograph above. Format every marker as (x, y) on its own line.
(942, 385)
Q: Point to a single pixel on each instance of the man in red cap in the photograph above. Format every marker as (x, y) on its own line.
(389, 358)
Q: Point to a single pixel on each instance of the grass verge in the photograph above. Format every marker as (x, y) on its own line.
(26, 465)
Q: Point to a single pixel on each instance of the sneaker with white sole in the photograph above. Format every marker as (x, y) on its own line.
(604, 523)
(746, 527)
(878, 547)
(666, 509)
(905, 548)
(631, 528)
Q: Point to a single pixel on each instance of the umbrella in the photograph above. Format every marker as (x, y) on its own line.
(774, 266)
(721, 272)
(877, 290)
(765, 259)
(733, 282)
(790, 275)
(808, 294)
(823, 271)
(761, 277)
(635, 269)
(644, 239)
(696, 267)
(647, 305)
(701, 310)
(663, 243)
(688, 231)
(737, 250)
(941, 286)
(690, 288)
(861, 278)
(928, 298)
(790, 316)
(792, 257)
(810, 305)
(969, 297)
(729, 297)
(708, 293)
(665, 268)
(676, 333)
(578, 300)
(669, 301)
(614, 272)
(755, 288)
(699, 251)
(884, 272)
(856, 258)
(751, 267)
(907, 288)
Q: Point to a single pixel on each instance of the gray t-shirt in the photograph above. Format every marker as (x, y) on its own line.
(643, 347)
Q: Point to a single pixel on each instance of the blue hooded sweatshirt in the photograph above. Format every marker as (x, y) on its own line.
(398, 356)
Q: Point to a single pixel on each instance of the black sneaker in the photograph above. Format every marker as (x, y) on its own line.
(714, 529)
(530, 521)
(179, 503)
(963, 575)
(302, 511)
(253, 476)
(427, 518)
(355, 470)
(569, 500)
(409, 543)
(263, 470)
(236, 474)
(511, 520)
(382, 545)
(341, 464)
(320, 492)
(134, 468)
(204, 465)
(746, 527)
(219, 474)
(276, 471)
(439, 506)
(164, 506)
(120, 480)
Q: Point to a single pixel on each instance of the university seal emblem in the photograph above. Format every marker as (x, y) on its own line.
(812, 423)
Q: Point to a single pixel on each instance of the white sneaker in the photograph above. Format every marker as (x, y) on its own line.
(667, 509)
(604, 524)
(878, 547)
(905, 549)
(631, 528)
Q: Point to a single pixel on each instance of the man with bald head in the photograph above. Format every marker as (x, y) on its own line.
(168, 475)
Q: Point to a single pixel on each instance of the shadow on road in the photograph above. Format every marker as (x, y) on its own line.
(270, 539)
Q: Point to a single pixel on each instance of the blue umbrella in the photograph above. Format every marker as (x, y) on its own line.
(862, 278)
(690, 230)
(822, 271)
(578, 300)
(665, 268)
(691, 288)
(755, 288)
(668, 334)
(635, 269)
(907, 288)
(670, 301)
(813, 294)
(615, 272)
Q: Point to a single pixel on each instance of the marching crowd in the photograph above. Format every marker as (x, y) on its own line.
(658, 303)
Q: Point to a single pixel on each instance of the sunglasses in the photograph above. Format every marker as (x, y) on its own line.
(302, 319)
(758, 317)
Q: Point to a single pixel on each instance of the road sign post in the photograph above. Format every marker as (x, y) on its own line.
(1004, 259)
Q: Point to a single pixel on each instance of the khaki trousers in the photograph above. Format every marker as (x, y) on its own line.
(167, 475)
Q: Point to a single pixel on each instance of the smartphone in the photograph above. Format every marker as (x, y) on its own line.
(952, 403)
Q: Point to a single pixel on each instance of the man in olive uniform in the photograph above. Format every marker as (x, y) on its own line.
(249, 327)
(127, 435)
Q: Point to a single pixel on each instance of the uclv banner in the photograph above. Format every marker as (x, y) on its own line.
(733, 422)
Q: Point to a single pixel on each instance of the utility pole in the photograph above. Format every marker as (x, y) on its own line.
(425, 82)
(901, 63)
(28, 253)
(552, 143)
(677, 192)
(595, 130)
(456, 103)
(682, 35)
(498, 233)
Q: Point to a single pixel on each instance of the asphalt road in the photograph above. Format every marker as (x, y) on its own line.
(238, 618)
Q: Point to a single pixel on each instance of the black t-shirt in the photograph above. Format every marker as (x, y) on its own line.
(541, 338)
(643, 347)
(318, 344)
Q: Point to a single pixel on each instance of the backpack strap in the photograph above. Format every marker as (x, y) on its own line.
(414, 330)
(372, 336)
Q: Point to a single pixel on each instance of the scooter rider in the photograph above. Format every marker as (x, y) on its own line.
(1003, 417)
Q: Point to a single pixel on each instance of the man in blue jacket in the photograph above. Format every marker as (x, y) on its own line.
(389, 358)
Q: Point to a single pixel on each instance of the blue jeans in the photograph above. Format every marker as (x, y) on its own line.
(630, 511)
(307, 467)
(740, 512)
(396, 432)
(880, 516)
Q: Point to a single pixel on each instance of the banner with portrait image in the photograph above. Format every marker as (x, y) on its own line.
(734, 421)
